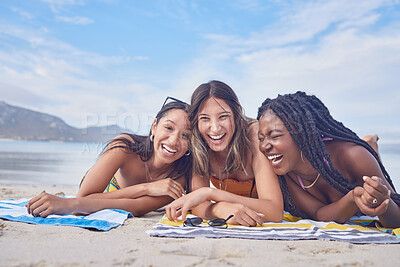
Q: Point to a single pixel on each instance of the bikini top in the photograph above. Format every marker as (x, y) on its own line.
(112, 186)
(245, 188)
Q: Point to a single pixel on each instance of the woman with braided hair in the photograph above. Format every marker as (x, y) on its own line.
(325, 170)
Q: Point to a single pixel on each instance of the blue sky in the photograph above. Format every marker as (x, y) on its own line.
(110, 61)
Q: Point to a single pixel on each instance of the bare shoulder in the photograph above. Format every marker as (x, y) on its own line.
(253, 131)
(353, 160)
(347, 151)
(119, 142)
(198, 181)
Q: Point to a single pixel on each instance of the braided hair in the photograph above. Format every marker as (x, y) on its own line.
(308, 121)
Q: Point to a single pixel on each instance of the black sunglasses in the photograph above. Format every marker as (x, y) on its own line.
(218, 222)
(173, 99)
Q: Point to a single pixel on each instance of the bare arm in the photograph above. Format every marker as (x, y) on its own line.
(247, 211)
(356, 162)
(137, 199)
(269, 202)
(47, 204)
(374, 187)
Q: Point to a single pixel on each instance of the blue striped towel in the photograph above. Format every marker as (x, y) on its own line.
(104, 220)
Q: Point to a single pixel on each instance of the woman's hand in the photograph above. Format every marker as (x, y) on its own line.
(46, 204)
(182, 205)
(243, 215)
(165, 187)
(373, 198)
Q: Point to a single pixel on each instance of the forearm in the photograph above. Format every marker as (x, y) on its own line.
(264, 207)
(130, 192)
(138, 206)
(339, 211)
(391, 218)
(271, 211)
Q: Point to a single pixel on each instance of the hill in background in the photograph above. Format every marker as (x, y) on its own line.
(24, 124)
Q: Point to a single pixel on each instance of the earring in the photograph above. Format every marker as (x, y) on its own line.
(151, 138)
(301, 155)
(187, 153)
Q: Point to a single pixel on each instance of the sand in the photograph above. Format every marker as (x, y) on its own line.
(36, 245)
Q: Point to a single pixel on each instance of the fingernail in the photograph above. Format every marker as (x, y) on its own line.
(374, 178)
(365, 178)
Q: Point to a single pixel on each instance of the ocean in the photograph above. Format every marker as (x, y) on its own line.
(59, 163)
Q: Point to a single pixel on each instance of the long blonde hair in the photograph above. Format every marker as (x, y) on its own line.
(240, 143)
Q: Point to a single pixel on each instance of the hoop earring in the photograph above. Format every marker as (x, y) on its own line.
(301, 155)
(151, 138)
(187, 153)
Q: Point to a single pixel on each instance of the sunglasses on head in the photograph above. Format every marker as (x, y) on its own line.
(218, 222)
(173, 99)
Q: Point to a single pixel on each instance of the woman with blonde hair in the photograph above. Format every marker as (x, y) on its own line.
(225, 153)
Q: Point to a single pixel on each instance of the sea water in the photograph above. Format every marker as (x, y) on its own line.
(46, 163)
(64, 163)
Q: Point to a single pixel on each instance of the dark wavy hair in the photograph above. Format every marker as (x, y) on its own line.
(308, 121)
(143, 146)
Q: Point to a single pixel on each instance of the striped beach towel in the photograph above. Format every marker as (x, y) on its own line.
(291, 228)
(104, 220)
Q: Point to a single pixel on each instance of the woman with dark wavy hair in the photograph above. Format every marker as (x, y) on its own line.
(146, 172)
(325, 170)
(225, 153)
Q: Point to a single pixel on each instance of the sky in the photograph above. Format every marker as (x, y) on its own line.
(106, 62)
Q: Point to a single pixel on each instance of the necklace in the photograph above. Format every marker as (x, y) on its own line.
(307, 186)
(220, 175)
(148, 175)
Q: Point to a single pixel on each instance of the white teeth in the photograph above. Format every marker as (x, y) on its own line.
(170, 150)
(216, 137)
(274, 156)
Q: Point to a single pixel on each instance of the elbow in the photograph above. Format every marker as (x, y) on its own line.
(329, 218)
(276, 218)
(341, 220)
(138, 213)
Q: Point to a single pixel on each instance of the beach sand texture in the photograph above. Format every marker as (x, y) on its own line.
(37, 245)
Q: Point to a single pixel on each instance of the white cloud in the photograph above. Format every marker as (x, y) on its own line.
(326, 48)
(23, 13)
(75, 20)
(57, 5)
(70, 83)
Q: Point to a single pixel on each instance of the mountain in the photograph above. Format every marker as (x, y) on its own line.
(24, 124)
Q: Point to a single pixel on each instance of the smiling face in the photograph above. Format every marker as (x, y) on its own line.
(171, 136)
(277, 144)
(216, 123)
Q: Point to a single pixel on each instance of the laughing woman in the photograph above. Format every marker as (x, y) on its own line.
(147, 171)
(325, 170)
(225, 152)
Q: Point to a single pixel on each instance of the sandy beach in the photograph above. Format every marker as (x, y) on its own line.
(37, 245)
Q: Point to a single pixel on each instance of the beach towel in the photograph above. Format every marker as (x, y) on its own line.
(104, 220)
(291, 228)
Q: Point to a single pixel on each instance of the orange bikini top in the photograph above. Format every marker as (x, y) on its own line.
(234, 186)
